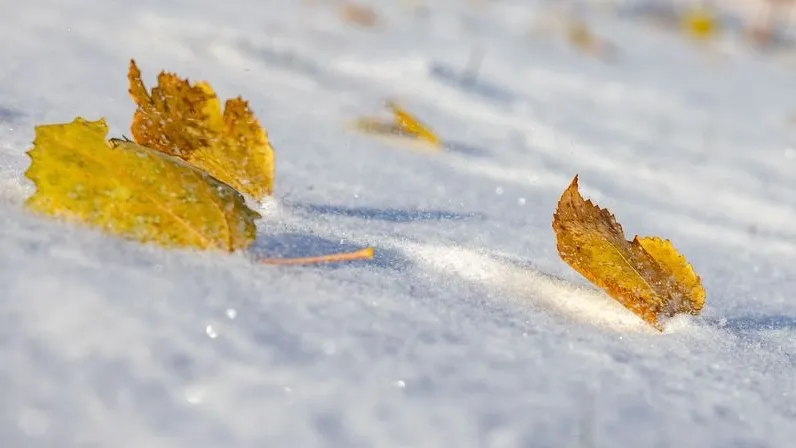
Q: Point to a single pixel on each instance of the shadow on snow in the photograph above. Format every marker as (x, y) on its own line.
(388, 214)
(759, 323)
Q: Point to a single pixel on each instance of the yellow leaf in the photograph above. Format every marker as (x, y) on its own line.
(699, 23)
(582, 38)
(686, 280)
(187, 121)
(132, 191)
(648, 276)
(403, 124)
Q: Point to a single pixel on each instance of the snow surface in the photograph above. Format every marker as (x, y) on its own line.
(467, 329)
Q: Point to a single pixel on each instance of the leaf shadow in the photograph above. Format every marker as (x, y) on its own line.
(759, 323)
(465, 149)
(283, 58)
(471, 84)
(295, 245)
(10, 115)
(388, 214)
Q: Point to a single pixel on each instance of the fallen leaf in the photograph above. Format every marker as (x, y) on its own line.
(686, 282)
(133, 191)
(357, 14)
(581, 37)
(142, 194)
(646, 275)
(699, 23)
(403, 124)
(186, 120)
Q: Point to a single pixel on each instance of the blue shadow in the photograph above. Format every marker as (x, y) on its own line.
(387, 214)
(465, 149)
(758, 323)
(281, 58)
(471, 84)
(9, 115)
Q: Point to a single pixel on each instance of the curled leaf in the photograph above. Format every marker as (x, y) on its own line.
(132, 191)
(646, 275)
(403, 124)
(186, 120)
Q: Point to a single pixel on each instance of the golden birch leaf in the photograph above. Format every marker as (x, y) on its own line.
(686, 280)
(132, 191)
(699, 23)
(403, 124)
(410, 125)
(593, 243)
(186, 120)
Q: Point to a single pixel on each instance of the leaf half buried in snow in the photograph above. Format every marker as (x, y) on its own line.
(403, 124)
(646, 275)
(132, 191)
(186, 120)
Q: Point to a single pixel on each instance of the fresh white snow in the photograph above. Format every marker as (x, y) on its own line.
(467, 329)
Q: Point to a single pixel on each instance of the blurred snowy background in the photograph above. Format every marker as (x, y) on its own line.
(467, 329)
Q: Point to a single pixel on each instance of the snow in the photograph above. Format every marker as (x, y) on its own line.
(467, 329)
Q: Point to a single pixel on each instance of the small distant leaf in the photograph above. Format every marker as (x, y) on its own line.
(132, 191)
(646, 275)
(403, 124)
(357, 14)
(186, 120)
(699, 23)
(581, 37)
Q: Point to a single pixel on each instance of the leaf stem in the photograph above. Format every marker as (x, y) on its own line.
(362, 254)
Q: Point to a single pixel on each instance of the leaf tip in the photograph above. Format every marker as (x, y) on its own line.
(569, 192)
(133, 72)
(368, 253)
(573, 185)
(136, 89)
